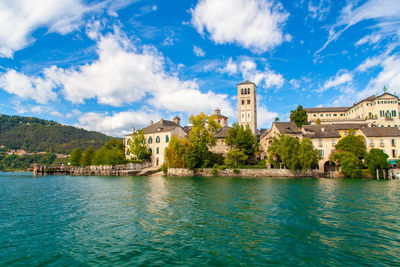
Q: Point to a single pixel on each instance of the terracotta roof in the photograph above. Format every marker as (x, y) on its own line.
(246, 82)
(221, 133)
(287, 127)
(160, 126)
(327, 109)
(381, 131)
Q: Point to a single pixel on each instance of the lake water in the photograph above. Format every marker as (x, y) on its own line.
(90, 221)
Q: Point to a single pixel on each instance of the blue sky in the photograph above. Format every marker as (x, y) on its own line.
(112, 65)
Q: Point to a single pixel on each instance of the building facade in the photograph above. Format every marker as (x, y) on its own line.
(247, 105)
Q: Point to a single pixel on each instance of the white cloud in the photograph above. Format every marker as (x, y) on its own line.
(117, 124)
(389, 76)
(339, 79)
(198, 51)
(295, 83)
(265, 117)
(369, 39)
(268, 77)
(20, 18)
(253, 24)
(39, 89)
(369, 63)
(230, 68)
(319, 11)
(385, 13)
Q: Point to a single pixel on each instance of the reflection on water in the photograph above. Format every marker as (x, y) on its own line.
(59, 220)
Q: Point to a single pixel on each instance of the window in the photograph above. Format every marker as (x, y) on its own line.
(150, 150)
(248, 90)
(157, 150)
(334, 115)
(381, 143)
(393, 113)
(320, 142)
(382, 126)
(322, 115)
(321, 153)
(371, 143)
(394, 153)
(248, 116)
(243, 116)
(242, 102)
(333, 142)
(157, 139)
(241, 91)
(345, 133)
(150, 140)
(315, 115)
(248, 101)
(166, 139)
(393, 142)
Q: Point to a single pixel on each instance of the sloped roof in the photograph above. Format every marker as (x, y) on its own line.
(221, 133)
(264, 132)
(381, 131)
(246, 82)
(320, 131)
(287, 127)
(327, 109)
(161, 126)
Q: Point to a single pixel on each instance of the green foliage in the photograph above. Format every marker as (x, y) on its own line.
(75, 157)
(137, 146)
(276, 119)
(135, 161)
(299, 116)
(87, 157)
(175, 152)
(197, 156)
(243, 139)
(349, 163)
(34, 135)
(236, 171)
(318, 121)
(22, 163)
(214, 170)
(203, 129)
(235, 157)
(164, 168)
(376, 159)
(111, 153)
(353, 144)
(292, 153)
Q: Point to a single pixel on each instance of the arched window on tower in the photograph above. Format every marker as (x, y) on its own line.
(248, 91)
(242, 91)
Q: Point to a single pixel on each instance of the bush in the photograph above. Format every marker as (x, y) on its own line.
(135, 161)
(214, 170)
(236, 171)
(164, 168)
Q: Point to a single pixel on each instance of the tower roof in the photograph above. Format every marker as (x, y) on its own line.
(246, 82)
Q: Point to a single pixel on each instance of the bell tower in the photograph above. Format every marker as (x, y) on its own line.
(247, 105)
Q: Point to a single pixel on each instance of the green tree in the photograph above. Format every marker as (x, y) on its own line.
(242, 139)
(349, 163)
(307, 156)
(197, 156)
(352, 143)
(318, 121)
(87, 157)
(111, 153)
(203, 129)
(376, 159)
(235, 158)
(175, 152)
(276, 119)
(287, 150)
(299, 116)
(75, 157)
(137, 146)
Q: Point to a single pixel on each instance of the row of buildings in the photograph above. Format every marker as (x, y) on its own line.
(375, 118)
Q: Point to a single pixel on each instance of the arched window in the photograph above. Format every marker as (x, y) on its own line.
(242, 91)
(150, 140)
(151, 151)
(248, 90)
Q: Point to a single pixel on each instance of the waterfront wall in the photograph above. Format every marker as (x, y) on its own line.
(111, 170)
(207, 172)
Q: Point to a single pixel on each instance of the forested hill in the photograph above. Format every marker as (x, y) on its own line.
(34, 135)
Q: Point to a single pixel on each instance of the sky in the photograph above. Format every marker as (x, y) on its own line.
(112, 65)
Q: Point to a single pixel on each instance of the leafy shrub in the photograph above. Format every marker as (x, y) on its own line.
(236, 171)
(214, 170)
(164, 168)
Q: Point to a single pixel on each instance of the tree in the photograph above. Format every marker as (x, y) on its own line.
(287, 150)
(75, 157)
(242, 139)
(87, 157)
(299, 116)
(235, 158)
(175, 152)
(318, 121)
(203, 129)
(349, 163)
(308, 156)
(111, 153)
(197, 156)
(352, 143)
(137, 146)
(376, 159)
(276, 119)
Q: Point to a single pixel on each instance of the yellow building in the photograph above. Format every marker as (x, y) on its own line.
(381, 111)
(157, 138)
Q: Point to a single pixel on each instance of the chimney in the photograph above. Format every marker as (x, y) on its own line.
(133, 130)
(151, 122)
(177, 120)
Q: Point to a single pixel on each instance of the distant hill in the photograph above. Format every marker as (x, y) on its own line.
(34, 135)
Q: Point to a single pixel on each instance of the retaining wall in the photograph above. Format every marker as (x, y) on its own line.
(111, 170)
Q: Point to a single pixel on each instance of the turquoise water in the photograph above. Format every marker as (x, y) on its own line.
(91, 221)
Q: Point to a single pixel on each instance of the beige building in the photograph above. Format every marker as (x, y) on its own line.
(247, 105)
(157, 136)
(381, 111)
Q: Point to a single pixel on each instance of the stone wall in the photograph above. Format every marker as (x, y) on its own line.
(252, 173)
(111, 170)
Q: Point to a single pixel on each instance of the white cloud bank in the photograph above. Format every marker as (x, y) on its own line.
(253, 24)
(339, 79)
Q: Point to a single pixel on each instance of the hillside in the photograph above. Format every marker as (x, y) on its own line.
(34, 135)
